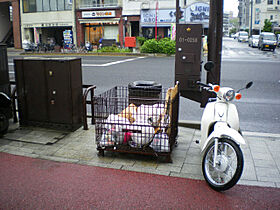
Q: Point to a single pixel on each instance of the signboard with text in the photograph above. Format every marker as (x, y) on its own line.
(98, 14)
(164, 17)
(198, 13)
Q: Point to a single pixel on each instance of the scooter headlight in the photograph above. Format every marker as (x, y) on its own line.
(229, 95)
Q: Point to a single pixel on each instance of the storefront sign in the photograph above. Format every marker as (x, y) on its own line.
(198, 13)
(257, 16)
(42, 25)
(98, 14)
(164, 17)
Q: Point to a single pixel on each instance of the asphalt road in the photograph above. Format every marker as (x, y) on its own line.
(258, 108)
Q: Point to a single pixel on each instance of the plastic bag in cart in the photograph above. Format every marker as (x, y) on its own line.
(160, 143)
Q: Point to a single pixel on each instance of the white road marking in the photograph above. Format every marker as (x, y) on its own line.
(105, 64)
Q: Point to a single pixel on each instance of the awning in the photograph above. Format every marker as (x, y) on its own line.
(101, 21)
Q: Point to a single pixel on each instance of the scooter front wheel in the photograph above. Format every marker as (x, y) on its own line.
(228, 166)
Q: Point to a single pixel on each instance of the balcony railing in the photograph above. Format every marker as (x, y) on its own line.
(85, 4)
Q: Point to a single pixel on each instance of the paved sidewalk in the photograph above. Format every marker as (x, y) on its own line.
(261, 155)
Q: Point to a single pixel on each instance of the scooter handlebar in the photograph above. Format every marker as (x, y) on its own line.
(203, 85)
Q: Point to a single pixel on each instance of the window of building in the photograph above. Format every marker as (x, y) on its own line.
(29, 5)
(258, 1)
(271, 17)
(278, 2)
(269, 2)
(46, 5)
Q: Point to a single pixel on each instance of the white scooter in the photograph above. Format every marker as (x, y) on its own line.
(222, 163)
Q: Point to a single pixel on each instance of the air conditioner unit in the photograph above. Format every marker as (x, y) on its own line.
(145, 5)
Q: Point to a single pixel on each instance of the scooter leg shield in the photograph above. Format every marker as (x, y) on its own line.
(222, 130)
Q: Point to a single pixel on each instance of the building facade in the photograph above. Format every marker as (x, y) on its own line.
(10, 22)
(81, 21)
(260, 11)
(99, 19)
(143, 17)
(243, 14)
(44, 21)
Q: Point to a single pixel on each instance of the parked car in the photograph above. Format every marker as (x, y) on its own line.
(235, 35)
(267, 40)
(278, 40)
(243, 36)
(253, 41)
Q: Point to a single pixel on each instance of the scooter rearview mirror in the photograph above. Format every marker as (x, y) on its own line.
(249, 85)
(209, 66)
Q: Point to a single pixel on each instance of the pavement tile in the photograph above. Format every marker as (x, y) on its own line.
(273, 146)
(124, 162)
(256, 183)
(145, 170)
(193, 159)
(169, 168)
(267, 172)
(186, 175)
(59, 159)
(22, 153)
(249, 172)
(192, 169)
(262, 156)
(269, 179)
(265, 163)
(146, 164)
(99, 164)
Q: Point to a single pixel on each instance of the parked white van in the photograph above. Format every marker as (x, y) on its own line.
(243, 36)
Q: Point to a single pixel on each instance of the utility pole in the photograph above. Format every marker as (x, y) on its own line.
(251, 20)
(215, 35)
(177, 11)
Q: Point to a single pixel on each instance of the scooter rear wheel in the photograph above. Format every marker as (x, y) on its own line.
(229, 165)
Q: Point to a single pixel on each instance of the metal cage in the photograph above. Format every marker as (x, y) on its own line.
(143, 123)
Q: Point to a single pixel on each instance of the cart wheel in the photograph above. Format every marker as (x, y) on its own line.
(168, 159)
(101, 152)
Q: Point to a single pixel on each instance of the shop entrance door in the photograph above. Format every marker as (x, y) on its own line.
(93, 33)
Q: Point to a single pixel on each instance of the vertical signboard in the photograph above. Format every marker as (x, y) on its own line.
(188, 59)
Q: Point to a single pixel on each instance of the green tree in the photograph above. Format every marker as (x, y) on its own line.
(267, 26)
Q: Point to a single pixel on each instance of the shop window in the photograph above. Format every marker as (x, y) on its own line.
(53, 5)
(29, 5)
(39, 5)
(46, 5)
(269, 2)
(60, 4)
(98, 3)
(68, 4)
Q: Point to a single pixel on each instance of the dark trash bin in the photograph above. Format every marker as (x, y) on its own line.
(144, 92)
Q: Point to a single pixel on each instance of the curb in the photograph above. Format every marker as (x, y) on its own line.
(196, 125)
(189, 124)
(98, 54)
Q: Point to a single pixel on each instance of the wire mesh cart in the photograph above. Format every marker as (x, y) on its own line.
(143, 123)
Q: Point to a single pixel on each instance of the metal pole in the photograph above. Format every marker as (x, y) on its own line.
(156, 20)
(177, 11)
(215, 40)
(251, 25)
